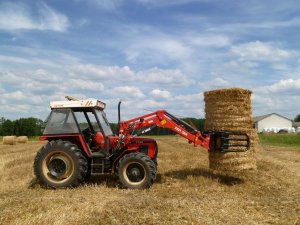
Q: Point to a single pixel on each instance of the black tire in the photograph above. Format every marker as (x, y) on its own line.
(155, 162)
(136, 171)
(155, 157)
(60, 164)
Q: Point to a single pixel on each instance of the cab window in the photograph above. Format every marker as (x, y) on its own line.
(61, 121)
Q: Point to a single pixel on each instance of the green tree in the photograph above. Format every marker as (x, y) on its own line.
(2, 120)
(8, 127)
(28, 126)
(297, 118)
(114, 128)
(196, 123)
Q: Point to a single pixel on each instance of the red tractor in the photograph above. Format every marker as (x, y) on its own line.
(80, 143)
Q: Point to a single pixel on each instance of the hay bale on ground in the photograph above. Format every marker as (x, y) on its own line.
(9, 140)
(22, 139)
(230, 110)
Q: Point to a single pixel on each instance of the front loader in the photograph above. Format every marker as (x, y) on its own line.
(80, 143)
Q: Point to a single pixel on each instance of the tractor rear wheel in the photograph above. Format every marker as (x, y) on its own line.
(60, 164)
(136, 171)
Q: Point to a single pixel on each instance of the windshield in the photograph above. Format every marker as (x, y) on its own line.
(81, 118)
(61, 121)
(104, 123)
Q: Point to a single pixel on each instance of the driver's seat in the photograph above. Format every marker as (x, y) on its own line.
(99, 140)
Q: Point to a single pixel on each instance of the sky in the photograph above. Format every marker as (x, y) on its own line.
(151, 54)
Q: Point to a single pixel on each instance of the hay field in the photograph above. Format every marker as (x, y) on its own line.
(186, 192)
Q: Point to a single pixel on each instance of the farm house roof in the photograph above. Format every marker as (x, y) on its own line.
(259, 118)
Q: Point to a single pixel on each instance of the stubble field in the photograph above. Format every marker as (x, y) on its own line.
(185, 192)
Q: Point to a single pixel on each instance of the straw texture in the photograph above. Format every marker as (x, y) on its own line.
(230, 110)
(22, 139)
(9, 140)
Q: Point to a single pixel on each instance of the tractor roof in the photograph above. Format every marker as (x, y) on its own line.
(88, 103)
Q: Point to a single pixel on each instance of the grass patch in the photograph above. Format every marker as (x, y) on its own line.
(34, 138)
(288, 140)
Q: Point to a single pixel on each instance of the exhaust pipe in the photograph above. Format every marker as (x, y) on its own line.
(119, 115)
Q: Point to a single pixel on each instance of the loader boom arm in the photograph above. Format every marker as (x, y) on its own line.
(164, 119)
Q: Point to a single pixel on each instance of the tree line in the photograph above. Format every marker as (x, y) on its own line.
(34, 127)
(23, 126)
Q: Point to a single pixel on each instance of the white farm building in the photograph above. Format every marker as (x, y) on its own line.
(271, 121)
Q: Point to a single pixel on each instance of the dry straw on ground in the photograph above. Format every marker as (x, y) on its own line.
(230, 110)
(9, 140)
(22, 139)
(185, 191)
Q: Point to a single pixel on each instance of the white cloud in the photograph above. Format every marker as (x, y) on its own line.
(259, 51)
(52, 20)
(28, 60)
(170, 77)
(282, 103)
(230, 72)
(16, 16)
(44, 76)
(21, 98)
(239, 66)
(156, 46)
(107, 5)
(164, 77)
(264, 102)
(17, 95)
(148, 104)
(287, 85)
(280, 66)
(11, 78)
(281, 97)
(189, 98)
(156, 93)
(187, 105)
(86, 85)
(250, 26)
(214, 83)
(278, 24)
(83, 22)
(125, 92)
(163, 3)
(209, 40)
(14, 59)
(99, 71)
(17, 109)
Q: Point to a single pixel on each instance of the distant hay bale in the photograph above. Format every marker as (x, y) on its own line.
(9, 140)
(230, 110)
(22, 139)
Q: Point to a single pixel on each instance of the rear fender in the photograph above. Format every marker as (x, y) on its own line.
(74, 138)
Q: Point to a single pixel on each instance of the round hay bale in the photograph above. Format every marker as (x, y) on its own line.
(22, 139)
(9, 140)
(230, 110)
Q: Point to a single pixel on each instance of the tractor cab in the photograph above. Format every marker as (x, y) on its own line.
(81, 120)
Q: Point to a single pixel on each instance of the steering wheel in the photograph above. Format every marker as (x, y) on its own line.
(87, 133)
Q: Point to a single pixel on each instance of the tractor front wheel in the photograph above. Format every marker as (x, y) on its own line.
(136, 171)
(60, 164)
